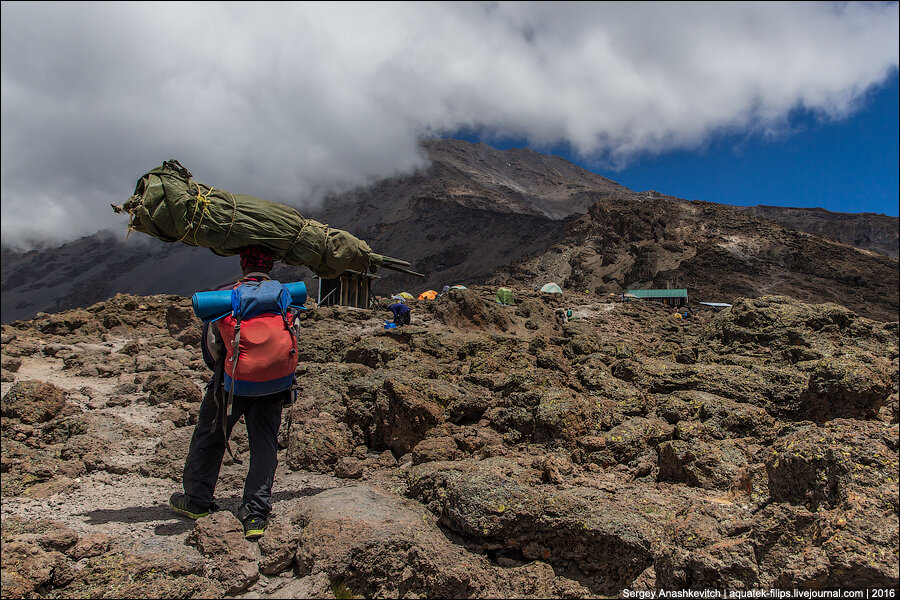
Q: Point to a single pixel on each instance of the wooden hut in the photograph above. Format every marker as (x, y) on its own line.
(352, 288)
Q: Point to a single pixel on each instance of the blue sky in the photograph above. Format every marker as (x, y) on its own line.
(841, 165)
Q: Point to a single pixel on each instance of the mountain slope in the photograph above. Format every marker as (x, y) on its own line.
(473, 209)
(476, 209)
(97, 267)
(719, 253)
(869, 231)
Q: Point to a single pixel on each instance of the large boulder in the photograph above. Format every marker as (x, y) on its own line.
(404, 412)
(844, 388)
(318, 444)
(33, 401)
(220, 538)
(497, 504)
(371, 543)
(715, 465)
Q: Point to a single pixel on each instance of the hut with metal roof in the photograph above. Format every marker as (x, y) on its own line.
(676, 297)
(715, 306)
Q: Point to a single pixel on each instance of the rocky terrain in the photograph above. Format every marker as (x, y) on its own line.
(484, 451)
(716, 252)
(869, 231)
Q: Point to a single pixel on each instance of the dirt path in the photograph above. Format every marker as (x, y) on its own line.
(130, 505)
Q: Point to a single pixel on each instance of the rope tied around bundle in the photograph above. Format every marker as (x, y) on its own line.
(169, 205)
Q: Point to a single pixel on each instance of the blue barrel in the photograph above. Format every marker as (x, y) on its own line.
(210, 306)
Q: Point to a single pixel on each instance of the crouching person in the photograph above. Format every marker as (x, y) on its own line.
(401, 313)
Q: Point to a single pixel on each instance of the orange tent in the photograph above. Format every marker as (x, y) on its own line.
(429, 295)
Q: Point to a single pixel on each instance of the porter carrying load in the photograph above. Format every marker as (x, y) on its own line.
(169, 205)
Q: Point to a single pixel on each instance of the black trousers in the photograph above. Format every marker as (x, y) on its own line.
(402, 319)
(262, 416)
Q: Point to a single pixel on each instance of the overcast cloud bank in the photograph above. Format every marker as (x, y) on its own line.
(291, 101)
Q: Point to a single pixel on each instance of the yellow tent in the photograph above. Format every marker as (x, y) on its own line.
(429, 295)
(406, 296)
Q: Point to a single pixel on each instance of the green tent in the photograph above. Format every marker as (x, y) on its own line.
(171, 206)
(551, 288)
(505, 296)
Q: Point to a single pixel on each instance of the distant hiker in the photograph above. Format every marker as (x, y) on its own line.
(401, 313)
(255, 380)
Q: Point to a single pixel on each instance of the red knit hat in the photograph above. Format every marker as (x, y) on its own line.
(256, 258)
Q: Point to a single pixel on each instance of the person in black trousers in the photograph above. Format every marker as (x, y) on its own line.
(262, 415)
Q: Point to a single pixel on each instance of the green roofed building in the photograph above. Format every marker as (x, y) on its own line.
(670, 297)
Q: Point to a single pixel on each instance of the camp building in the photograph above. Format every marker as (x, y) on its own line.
(352, 288)
(670, 297)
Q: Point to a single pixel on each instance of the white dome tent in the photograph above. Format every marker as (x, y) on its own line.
(551, 288)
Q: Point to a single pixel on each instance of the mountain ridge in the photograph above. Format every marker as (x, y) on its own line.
(472, 211)
(719, 253)
(869, 231)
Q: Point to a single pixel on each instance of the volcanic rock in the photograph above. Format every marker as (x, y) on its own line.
(624, 448)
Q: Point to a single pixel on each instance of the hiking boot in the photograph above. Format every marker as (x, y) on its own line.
(180, 504)
(254, 525)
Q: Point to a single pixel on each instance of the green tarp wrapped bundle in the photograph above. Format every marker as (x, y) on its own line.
(171, 206)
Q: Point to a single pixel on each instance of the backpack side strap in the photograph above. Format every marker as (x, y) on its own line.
(236, 354)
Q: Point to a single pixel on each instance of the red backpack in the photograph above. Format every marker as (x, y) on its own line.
(261, 349)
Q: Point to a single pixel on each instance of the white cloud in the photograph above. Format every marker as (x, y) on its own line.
(287, 101)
